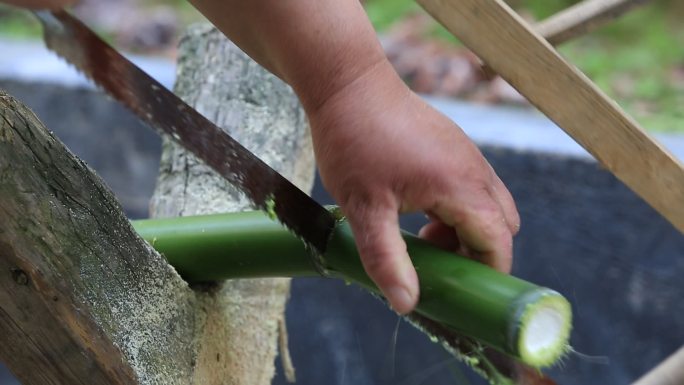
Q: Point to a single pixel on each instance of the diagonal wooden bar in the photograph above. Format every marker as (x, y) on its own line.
(583, 18)
(577, 20)
(530, 64)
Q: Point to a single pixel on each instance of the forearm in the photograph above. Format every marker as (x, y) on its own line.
(317, 46)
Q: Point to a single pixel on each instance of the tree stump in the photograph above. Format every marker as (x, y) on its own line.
(237, 340)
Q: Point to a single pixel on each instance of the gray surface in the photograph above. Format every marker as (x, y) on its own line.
(583, 233)
(524, 129)
(30, 61)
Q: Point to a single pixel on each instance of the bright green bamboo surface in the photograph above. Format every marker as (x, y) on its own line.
(462, 294)
(221, 246)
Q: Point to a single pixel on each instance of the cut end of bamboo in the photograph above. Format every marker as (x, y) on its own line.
(544, 329)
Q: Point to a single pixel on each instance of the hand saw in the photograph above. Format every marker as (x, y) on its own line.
(168, 114)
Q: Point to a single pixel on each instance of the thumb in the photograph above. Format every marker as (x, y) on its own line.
(383, 254)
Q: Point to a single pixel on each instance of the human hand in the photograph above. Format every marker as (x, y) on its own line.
(381, 150)
(39, 4)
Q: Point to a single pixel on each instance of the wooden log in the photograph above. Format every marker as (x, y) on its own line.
(237, 344)
(83, 300)
(530, 64)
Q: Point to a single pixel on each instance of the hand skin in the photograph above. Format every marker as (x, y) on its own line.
(380, 149)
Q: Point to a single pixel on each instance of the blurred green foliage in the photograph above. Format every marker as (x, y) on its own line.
(638, 59)
(634, 59)
(384, 13)
(16, 23)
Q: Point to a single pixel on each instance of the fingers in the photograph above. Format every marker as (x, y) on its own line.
(501, 194)
(383, 253)
(440, 235)
(482, 228)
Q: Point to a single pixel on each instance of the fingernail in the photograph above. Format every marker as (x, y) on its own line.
(401, 299)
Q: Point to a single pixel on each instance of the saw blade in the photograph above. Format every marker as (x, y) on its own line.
(168, 114)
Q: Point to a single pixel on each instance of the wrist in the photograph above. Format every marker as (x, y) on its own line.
(369, 87)
(351, 70)
(315, 91)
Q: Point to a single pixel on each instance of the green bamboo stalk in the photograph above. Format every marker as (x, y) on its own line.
(516, 317)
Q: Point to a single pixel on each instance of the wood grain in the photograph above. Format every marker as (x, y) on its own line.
(49, 227)
(530, 64)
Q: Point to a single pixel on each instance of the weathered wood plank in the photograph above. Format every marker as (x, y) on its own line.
(62, 239)
(530, 64)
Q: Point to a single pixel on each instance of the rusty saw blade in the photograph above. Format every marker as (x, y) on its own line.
(167, 113)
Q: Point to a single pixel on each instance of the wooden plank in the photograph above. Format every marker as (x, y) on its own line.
(530, 64)
(577, 20)
(582, 18)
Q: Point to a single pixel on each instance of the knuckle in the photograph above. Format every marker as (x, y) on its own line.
(515, 226)
(486, 217)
